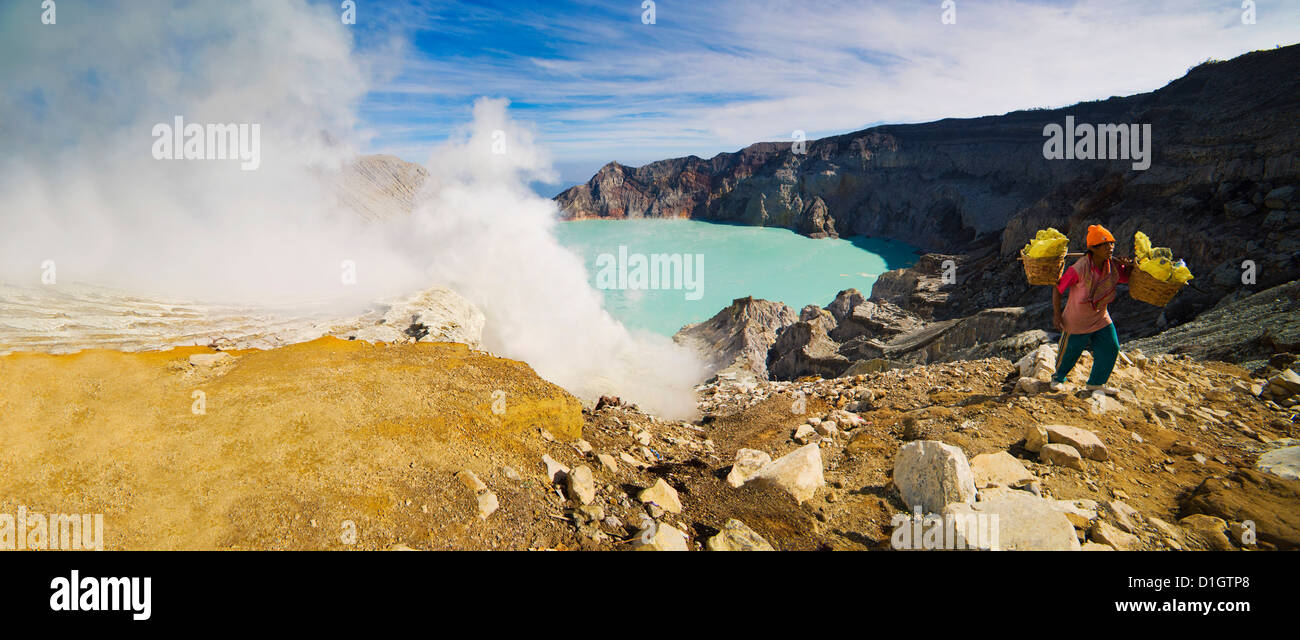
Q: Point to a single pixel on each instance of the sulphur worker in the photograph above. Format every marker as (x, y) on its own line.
(1085, 323)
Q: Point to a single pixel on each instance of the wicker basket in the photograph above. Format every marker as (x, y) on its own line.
(1143, 286)
(1043, 270)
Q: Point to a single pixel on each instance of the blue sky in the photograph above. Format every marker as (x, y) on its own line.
(597, 84)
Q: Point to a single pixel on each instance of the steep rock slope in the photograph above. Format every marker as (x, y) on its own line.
(1221, 188)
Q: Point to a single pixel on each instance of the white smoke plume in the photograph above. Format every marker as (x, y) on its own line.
(80, 188)
(489, 237)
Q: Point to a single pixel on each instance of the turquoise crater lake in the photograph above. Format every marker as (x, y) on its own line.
(737, 261)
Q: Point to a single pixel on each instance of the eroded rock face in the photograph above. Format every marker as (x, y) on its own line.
(738, 337)
(803, 349)
(856, 316)
(1249, 328)
(1247, 494)
(973, 190)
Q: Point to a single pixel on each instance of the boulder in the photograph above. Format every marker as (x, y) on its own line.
(930, 474)
(1031, 386)
(748, 463)
(1024, 522)
(803, 433)
(1081, 513)
(609, 462)
(582, 485)
(1099, 403)
(1209, 529)
(798, 473)
(661, 537)
(999, 469)
(1283, 463)
(1038, 364)
(735, 536)
(1126, 517)
(1085, 442)
(1106, 534)
(1280, 198)
(1271, 503)
(1062, 455)
(1035, 438)
(663, 495)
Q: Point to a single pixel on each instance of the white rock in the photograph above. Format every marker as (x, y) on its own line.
(1031, 386)
(828, 429)
(1039, 363)
(1126, 517)
(607, 461)
(1061, 455)
(447, 315)
(803, 433)
(1084, 441)
(1035, 437)
(661, 537)
(798, 473)
(1024, 522)
(582, 485)
(1080, 513)
(1106, 534)
(470, 481)
(999, 469)
(748, 463)
(1100, 403)
(636, 464)
(1283, 463)
(554, 470)
(735, 536)
(487, 504)
(662, 494)
(931, 475)
(210, 359)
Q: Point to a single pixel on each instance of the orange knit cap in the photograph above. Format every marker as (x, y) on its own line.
(1098, 234)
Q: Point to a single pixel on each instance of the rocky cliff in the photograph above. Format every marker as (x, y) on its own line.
(1220, 190)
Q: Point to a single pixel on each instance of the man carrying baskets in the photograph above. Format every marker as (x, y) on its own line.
(1085, 323)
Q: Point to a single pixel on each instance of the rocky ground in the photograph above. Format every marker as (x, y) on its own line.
(406, 445)
(1171, 463)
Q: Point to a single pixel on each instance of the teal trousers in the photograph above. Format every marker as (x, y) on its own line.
(1104, 344)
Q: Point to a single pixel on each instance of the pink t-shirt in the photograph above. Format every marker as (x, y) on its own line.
(1079, 315)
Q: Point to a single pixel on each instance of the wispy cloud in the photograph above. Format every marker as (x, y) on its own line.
(706, 77)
